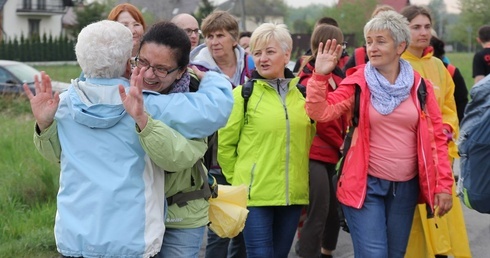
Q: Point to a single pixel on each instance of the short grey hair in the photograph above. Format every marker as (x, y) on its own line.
(393, 22)
(103, 49)
(267, 32)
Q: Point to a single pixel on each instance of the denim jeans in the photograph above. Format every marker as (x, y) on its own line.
(218, 247)
(182, 242)
(269, 230)
(382, 226)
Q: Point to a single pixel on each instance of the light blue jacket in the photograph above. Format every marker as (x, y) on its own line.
(110, 200)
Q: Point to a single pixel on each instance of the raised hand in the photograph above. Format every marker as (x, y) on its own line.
(45, 103)
(133, 100)
(328, 56)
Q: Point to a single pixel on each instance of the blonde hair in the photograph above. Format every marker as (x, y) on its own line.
(268, 32)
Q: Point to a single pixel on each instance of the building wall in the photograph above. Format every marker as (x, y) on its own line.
(251, 25)
(15, 25)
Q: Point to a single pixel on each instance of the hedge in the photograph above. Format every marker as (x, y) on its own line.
(45, 48)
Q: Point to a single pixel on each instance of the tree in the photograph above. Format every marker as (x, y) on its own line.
(302, 20)
(352, 16)
(205, 8)
(88, 14)
(474, 13)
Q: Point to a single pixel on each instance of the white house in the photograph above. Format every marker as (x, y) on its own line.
(31, 17)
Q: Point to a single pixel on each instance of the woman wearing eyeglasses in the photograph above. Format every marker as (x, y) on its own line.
(164, 52)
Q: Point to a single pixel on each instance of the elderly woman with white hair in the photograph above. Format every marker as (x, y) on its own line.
(398, 151)
(265, 145)
(111, 197)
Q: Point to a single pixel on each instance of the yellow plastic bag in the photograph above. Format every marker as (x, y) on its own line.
(228, 211)
(449, 237)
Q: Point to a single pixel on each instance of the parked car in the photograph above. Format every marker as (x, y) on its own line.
(14, 74)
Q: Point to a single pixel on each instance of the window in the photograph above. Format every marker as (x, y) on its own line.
(34, 27)
(41, 4)
(27, 4)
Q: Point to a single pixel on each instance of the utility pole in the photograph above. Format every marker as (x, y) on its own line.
(243, 19)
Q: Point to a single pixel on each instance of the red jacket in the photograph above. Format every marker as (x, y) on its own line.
(434, 172)
(330, 135)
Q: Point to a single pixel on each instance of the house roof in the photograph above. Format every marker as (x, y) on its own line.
(165, 9)
(398, 5)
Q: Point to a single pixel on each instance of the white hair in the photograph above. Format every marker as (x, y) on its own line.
(103, 49)
(395, 23)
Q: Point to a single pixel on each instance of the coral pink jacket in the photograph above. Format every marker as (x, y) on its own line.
(434, 171)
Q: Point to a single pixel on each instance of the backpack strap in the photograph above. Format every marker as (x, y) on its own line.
(451, 69)
(357, 100)
(355, 122)
(247, 90)
(205, 192)
(194, 80)
(422, 93)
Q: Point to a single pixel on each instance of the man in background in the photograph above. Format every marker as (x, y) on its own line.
(189, 24)
(481, 60)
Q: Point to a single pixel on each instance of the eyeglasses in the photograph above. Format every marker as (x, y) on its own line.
(190, 31)
(158, 71)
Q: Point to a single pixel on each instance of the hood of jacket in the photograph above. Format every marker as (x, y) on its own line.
(103, 109)
(201, 56)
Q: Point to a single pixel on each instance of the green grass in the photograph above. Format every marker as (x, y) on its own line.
(464, 63)
(28, 183)
(61, 73)
(28, 186)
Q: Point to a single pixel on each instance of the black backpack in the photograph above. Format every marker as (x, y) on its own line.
(248, 88)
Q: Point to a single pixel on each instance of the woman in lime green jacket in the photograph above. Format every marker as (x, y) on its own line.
(265, 145)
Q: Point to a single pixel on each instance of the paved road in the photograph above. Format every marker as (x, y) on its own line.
(477, 227)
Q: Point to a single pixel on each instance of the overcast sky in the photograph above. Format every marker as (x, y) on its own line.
(452, 5)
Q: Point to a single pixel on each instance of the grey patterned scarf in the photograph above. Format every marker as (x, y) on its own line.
(385, 97)
(182, 84)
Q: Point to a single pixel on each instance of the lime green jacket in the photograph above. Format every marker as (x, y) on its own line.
(269, 153)
(179, 177)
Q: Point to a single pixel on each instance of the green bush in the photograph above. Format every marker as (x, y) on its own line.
(45, 48)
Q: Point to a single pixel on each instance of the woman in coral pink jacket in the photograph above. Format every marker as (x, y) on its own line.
(398, 154)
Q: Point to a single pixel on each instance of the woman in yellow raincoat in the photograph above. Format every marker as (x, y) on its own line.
(433, 236)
